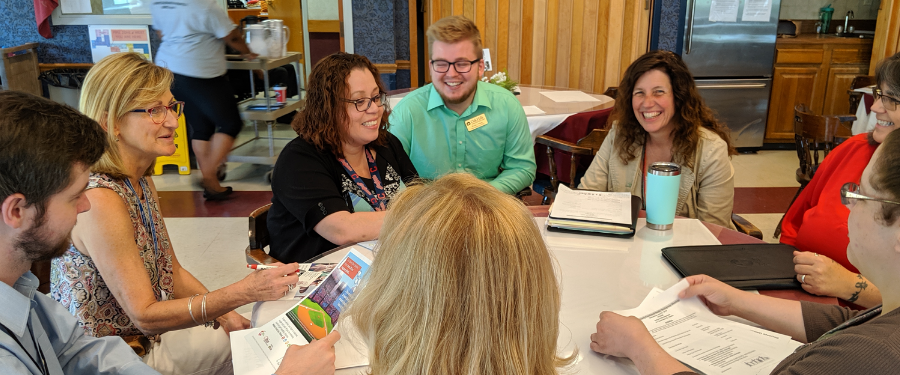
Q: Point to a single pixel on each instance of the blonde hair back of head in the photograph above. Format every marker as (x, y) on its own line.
(116, 85)
(463, 284)
(455, 29)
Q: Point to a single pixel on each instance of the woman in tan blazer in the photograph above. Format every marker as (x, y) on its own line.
(666, 122)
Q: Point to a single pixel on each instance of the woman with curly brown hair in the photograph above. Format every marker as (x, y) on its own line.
(660, 117)
(332, 184)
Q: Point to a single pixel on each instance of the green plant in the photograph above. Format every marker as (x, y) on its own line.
(501, 79)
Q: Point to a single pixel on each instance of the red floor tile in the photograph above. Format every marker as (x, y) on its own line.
(192, 204)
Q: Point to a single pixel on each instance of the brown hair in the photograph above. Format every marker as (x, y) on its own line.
(475, 281)
(454, 29)
(323, 121)
(886, 177)
(118, 84)
(690, 111)
(888, 73)
(40, 142)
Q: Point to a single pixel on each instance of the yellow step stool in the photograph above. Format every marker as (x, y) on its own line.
(181, 157)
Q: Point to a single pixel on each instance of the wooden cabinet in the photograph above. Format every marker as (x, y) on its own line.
(816, 71)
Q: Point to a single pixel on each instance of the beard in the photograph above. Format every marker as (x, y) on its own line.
(461, 99)
(38, 246)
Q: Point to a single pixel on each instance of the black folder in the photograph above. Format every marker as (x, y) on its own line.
(751, 266)
(635, 209)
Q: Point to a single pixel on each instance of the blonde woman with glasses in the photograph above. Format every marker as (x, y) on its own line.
(463, 284)
(121, 277)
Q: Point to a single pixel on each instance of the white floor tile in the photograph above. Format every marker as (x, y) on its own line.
(766, 223)
(765, 169)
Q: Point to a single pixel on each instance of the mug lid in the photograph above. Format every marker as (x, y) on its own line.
(664, 169)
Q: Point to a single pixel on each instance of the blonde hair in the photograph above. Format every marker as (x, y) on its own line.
(462, 284)
(118, 84)
(455, 29)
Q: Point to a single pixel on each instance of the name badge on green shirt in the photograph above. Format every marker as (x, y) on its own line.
(476, 122)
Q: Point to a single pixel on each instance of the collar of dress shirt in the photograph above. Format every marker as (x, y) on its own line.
(16, 304)
(435, 100)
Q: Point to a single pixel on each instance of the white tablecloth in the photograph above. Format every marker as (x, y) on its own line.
(865, 122)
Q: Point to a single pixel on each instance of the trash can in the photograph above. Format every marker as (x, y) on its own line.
(64, 85)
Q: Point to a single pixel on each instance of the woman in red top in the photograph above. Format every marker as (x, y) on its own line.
(816, 223)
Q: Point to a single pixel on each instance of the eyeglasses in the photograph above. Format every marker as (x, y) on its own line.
(850, 191)
(890, 103)
(364, 104)
(442, 66)
(158, 114)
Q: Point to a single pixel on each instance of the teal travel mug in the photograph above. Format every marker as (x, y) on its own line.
(663, 182)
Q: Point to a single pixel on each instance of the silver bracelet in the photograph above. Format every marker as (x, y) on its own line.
(191, 308)
(203, 308)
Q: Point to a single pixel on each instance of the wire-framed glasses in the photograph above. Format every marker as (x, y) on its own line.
(158, 114)
(889, 102)
(850, 191)
(363, 104)
(442, 66)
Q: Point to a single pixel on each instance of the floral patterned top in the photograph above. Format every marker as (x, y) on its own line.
(77, 284)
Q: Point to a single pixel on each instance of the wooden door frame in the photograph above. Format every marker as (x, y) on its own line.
(887, 33)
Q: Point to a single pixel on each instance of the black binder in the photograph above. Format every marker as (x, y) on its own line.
(751, 266)
(635, 209)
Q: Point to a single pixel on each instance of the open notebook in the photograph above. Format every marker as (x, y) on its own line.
(594, 212)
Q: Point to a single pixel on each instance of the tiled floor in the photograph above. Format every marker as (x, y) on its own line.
(209, 238)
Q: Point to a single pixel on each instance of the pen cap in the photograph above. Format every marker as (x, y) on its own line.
(663, 183)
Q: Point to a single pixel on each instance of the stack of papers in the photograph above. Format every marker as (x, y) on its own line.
(690, 332)
(592, 211)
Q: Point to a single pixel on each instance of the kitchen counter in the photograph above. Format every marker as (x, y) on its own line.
(823, 39)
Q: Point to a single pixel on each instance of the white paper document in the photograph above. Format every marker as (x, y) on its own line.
(757, 11)
(595, 206)
(75, 6)
(723, 10)
(311, 318)
(569, 96)
(532, 110)
(690, 332)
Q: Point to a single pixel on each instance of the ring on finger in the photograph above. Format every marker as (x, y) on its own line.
(802, 279)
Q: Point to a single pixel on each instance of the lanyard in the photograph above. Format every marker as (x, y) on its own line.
(42, 366)
(375, 200)
(146, 216)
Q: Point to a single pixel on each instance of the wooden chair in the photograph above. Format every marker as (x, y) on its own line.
(586, 146)
(814, 134)
(259, 237)
(856, 97)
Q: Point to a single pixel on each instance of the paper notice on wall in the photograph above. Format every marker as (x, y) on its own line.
(723, 10)
(110, 39)
(75, 6)
(757, 11)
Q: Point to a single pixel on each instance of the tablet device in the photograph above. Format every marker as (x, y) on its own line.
(749, 266)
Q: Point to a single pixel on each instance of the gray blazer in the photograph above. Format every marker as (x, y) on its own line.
(706, 194)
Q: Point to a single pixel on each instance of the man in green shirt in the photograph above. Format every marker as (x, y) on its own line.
(460, 124)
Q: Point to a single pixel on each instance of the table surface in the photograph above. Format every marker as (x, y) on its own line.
(602, 273)
(531, 96)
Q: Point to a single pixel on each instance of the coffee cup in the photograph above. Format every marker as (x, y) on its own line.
(280, 94)
(663, 183)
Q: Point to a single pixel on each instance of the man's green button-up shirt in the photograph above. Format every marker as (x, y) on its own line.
(438, 142)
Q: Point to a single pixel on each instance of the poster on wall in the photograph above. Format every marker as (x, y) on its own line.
(109, 39)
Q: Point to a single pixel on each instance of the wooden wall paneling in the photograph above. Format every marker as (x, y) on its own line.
(433, 12)
(514, 40)
(489, 36)
(551, 46)
(528, 21)
(628, 37)
(615, 37)
(887, 33)
(469, 9)
(540, 40)
(564, 43)
(575, 45)
(603, 15)
(458, 7)
(480, 8)
(290, 12)
(413, 44)
(588, 46)
(501, 61)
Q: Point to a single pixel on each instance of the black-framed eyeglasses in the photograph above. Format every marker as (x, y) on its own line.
(850, 191)
(158, 114)
(890, 103)
(363, 104)
(442, 66)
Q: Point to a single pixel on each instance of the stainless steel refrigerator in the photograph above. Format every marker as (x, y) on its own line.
(730, 51)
